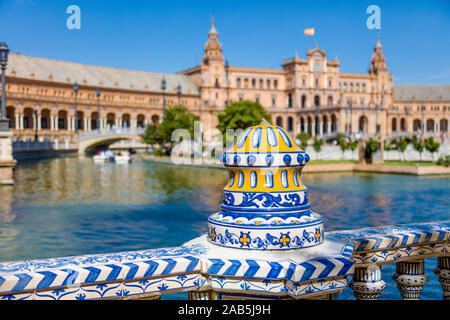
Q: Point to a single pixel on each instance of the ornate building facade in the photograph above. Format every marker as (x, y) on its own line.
(306, 95)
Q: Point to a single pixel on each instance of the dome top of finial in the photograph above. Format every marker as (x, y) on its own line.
(265, 204)
(264, 138)
(378, 45)
(213, 26)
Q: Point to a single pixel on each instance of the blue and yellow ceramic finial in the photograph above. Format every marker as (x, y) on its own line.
(265, 205)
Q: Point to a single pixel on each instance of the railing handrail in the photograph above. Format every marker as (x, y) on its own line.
(181, 269)
(110, 132)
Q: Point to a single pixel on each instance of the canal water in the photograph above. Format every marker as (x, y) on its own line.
(71, 206)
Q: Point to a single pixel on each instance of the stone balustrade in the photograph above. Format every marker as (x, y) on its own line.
(150, 273)
(266, 242)
(405, 245)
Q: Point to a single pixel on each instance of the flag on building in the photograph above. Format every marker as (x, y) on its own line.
(309, 31)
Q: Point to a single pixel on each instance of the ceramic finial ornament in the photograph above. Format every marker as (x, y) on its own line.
(265, 204)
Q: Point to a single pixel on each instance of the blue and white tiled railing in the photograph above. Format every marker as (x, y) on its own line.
(196, 268)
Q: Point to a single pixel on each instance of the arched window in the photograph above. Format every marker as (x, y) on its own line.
(290, 100)
(80, 120)
(253, 83)
(290, 124)
(280, 121)
(155, 118)
(94, 121)
(45, 119)
(330, 101)
(110, 119)
(62, 120)
(309, 126)
(268, 84)
(238, 82)
(417, 124)
(317, 101)
(443, 125)
(10, 111)
(261, 83)
(126, 120)
(394, 125)
(403, 124)
(245, 83)
(363, 122)
(303, 101)
(333, 123)
(275, 84)
(325, 124)
(430, 125)
(140, 121)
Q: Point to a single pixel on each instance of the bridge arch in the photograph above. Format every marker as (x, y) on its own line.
(92, 140)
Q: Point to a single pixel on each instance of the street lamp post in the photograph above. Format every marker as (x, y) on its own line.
(75, 89)
(98, 108)
(163, 88)
(179, 93)
(227, 69)
(36, 121)
(200, 101)
(4, 50)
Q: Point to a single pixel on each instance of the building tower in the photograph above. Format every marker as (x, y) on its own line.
(213, 70)
(378, 61)
(381, 98)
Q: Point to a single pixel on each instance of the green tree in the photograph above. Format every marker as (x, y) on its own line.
(353, 145)
(241, 115)
(151, 135)
(175, 117)
(432, 145)
(402, 144)
(418, 144)
(304, 138)
(342, 140)
(371, 147)
(317, 144)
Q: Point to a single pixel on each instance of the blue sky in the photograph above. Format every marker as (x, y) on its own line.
(169, 36)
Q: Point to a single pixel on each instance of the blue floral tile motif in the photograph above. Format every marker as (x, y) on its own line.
(163, 287)
(271, 241)
(245, 239)
(212, 233)
(122, 293)
(284, 240)
(81, 296)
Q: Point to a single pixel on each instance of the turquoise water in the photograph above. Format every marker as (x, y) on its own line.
(70, 206)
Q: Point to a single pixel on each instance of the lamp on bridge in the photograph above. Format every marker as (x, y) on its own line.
(227, 69)
(200, 101)
(163, 88)
(98, 108)
(4, 50)
(36, 125)
(75, 89)
(179, 93)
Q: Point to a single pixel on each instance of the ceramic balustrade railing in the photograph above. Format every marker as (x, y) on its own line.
(405, 245)
(149, 273)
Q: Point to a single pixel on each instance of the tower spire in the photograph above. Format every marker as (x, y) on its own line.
(213, 48)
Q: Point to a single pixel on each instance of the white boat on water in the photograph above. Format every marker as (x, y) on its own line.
(122, 157)
(104, 156)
